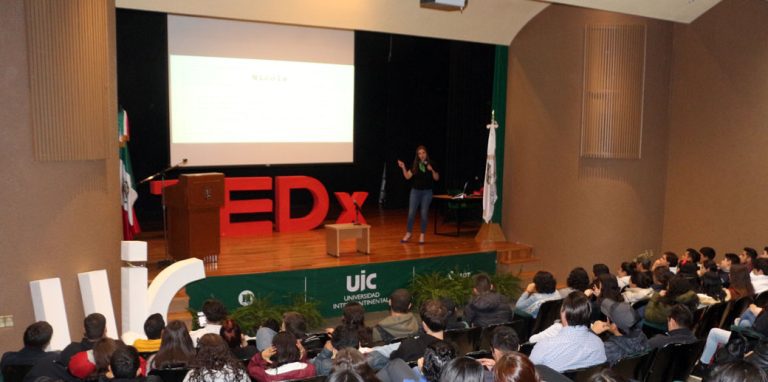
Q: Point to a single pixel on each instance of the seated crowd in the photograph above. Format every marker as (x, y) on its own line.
(601, 321)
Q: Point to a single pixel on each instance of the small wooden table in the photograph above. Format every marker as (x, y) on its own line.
(335, 233)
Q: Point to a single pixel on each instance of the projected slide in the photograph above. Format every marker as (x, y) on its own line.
(281, 100)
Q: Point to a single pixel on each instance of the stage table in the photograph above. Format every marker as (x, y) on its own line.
(335, 233)
(445, 200)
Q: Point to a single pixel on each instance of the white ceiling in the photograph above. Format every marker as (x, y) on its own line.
(681, 11)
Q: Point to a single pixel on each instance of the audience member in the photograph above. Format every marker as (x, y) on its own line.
(214, 362)
(93, 363)
(153, 328)
(486, 306)
(742, 371)
(352, 359)
(36, 338)
(353, 318)
(436, 356)
(606, 287)
(286, 359)
(296, 324)
(639, 288)
(747, 257)
(575, 346)
(667, 259)
(452, 320)
(718, 337)
(541, 290)
(176, 348)
(711, 291)
(462, 369)
(215, 313)
(661, 276)
(689, 263)
(432, 314)
(724, 270)
(345, 375)
(233, 337)
(266, 332)
(95, 325)
(679, 327)
(125, 365)
(597, 270)
(759, 275)
(341, 337)
(708, 253)
(578, 280)
(741, 284)
(504, 340)
(515, 367)
(679, 291)
(626, 270)
(624, 325)
(400, 322)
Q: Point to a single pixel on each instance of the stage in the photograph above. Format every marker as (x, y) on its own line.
(306, 250)
(275, 263)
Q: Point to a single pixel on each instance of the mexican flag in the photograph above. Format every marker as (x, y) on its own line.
(489, 183)
(128, 185)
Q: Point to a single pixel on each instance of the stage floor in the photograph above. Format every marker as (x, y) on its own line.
(306, 250)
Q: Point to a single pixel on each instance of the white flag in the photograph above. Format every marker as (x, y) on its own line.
(489, 183)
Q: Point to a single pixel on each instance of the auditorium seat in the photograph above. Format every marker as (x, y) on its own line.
(674, 362)
(466, 340)
(761, 299)
(584, 374)
(734, 310)
(710, 319)
(635, 366)
(15, 373)
(549, 312)
(170, 375)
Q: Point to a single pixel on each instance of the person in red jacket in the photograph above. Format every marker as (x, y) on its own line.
(285, 360)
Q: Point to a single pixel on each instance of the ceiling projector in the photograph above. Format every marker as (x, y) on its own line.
(444, 5)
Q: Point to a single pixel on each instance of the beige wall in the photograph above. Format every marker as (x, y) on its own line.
(576, 211)
(717, 189)
(58, 218)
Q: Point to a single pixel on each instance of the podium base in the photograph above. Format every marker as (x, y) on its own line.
(490, 232)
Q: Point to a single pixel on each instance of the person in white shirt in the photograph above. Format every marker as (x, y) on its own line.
(215, 313)
(759, 275)
(575, 346)
(626, 270)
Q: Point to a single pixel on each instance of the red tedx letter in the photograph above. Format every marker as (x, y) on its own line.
(347, 202)
(283, 187)
(245, 206)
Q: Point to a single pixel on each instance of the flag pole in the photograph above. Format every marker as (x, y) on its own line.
(490, 231)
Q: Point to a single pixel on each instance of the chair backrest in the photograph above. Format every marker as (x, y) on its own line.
(522, 325)
(170, 375)
(674, 362)
(710, 319)
(734, 310)
(317, 378)
(761, 299)
(15, 373)
(466, 340)
(526, 348)
(549, 312)
(635, 367)
(314, 343)
(584, 374)
(639, 304)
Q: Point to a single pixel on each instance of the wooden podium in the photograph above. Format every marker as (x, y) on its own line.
(193, 215)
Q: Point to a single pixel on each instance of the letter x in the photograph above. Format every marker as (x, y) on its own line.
(348, 207)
